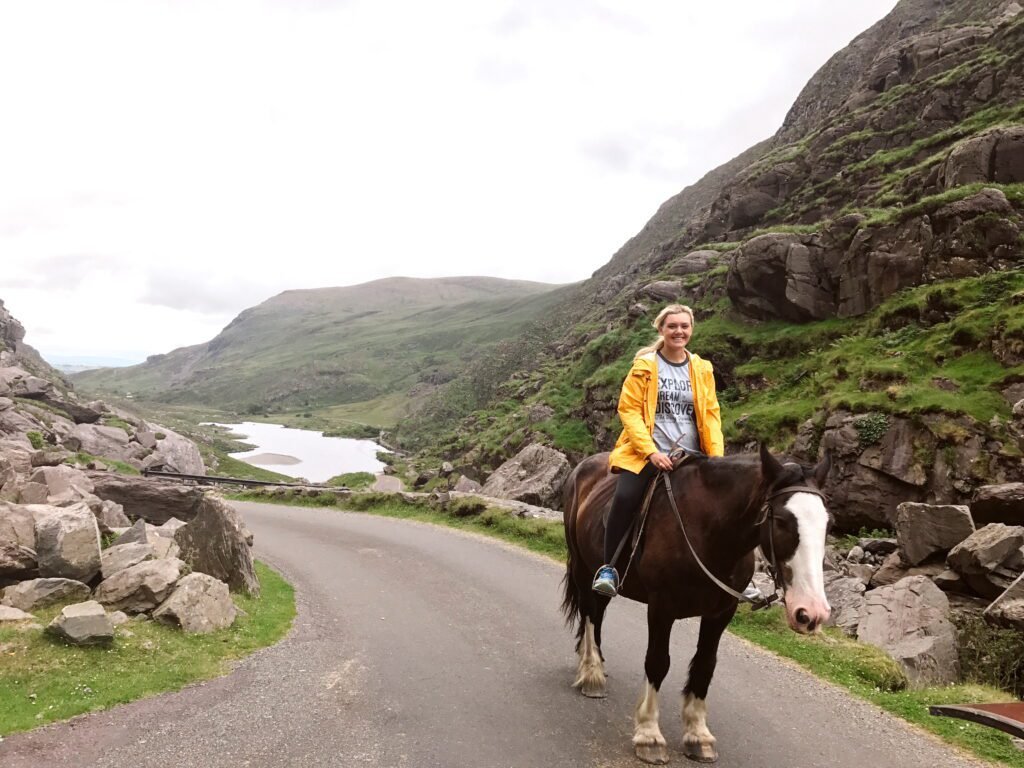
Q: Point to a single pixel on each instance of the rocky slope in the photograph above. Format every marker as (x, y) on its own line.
(44, 424)
(857, 280)
(327, 346)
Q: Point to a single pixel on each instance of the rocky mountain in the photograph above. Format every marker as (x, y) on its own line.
(308, 348)
(48, 433)
(857, 280)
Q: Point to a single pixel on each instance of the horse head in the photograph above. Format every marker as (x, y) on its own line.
(793, 537)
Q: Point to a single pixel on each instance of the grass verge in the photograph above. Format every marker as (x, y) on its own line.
(43, 680)
(861, 669)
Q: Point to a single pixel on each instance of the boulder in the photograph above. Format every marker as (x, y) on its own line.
(17, 525)
(169, 528)
(110, 515)
(155, 501)
(846, 596)
(879, 547)
(63, 483)
(198, 604)
(68, 543)
(121, 556)
(33, 493)
(39, 592)
(1007, 610)
(14, 614)
(781, 276)
(1003, 503)
(175, 452)
(990, 558)
(663, 290)
(146, 439)
(534, 476)
(923, 530)
(466, 485)
(49, 458)
(894, 568)
(909, 621)
(16, 561)
(995, 155)
(141, 587)
(214, 542)
(110, 442)
(136, 534)
(7, 473)
(83, 624)
(694, 263)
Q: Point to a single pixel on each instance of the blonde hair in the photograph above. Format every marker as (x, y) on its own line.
(671, 309)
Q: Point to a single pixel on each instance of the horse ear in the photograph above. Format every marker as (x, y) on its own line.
(770, 466)
(821, 470)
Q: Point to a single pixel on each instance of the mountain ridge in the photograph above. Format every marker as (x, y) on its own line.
(309, 347)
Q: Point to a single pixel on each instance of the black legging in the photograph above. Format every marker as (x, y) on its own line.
(629, 493)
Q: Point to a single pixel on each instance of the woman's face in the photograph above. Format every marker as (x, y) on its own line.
(676, 329)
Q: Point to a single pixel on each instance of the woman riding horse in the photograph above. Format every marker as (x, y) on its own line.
(668, 401)
(690, 562)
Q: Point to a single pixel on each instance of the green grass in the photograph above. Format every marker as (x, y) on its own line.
(43, 680)
(861, 669)
(121, 467)
(357, 481)
(871, 675)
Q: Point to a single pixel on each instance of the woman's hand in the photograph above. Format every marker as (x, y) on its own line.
(661, 461)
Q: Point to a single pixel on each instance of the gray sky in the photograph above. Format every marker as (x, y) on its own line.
(167, 164)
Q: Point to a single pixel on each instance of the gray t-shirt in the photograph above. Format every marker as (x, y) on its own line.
(675, 423)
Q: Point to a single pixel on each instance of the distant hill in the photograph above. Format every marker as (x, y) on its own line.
(328, 346)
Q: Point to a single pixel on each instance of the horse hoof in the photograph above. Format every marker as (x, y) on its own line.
(594, 692)
(655, 754)
(701, 753)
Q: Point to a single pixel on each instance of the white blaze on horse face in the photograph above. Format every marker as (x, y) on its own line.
(806, 591)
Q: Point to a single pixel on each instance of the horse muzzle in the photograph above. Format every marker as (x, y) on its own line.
(806, 614)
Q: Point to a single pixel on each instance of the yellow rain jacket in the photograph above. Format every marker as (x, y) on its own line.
(639, 400)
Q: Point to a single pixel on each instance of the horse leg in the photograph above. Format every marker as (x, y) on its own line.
(698, 742)
(648, 742)
(590, 676)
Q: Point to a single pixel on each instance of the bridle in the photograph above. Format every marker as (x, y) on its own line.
(767, 516)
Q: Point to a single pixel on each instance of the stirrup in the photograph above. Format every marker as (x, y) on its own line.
(606, 581)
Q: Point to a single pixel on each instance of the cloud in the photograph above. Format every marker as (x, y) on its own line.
(204, 294)
(63, 272)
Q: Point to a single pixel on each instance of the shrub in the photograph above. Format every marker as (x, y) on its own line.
(991, 655)
(36, 438)
(871, 428)
(466, 506)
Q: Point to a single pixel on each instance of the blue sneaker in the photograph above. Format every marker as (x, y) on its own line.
(606, 582)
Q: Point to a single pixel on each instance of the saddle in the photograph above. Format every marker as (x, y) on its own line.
(635, 533)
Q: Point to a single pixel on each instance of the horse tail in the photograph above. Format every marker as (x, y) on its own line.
(571, 596)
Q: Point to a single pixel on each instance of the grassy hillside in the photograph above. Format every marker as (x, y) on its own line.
(312, 349)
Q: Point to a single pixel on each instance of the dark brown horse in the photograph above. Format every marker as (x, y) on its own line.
(725, 504)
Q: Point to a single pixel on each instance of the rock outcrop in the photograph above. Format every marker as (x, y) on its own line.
(909, 620)
(535, 476)
(214, 543)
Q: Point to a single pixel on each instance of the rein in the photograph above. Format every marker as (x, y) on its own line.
(768, 516)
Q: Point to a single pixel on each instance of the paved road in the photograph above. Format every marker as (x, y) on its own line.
(386, 483)
(418, 646)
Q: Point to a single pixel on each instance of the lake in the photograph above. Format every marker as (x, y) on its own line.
(304, 453)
